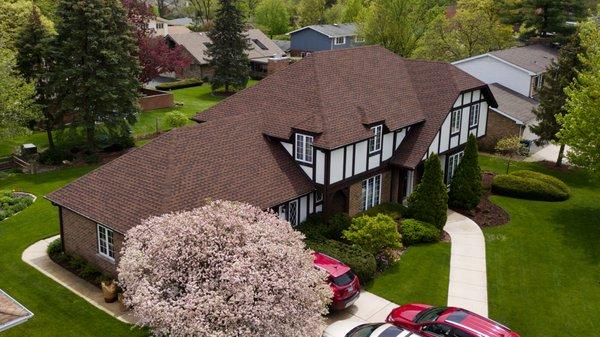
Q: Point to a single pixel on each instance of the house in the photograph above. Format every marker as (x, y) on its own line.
(162, 27)
(314, 38)
(515, 76)
(338, 131)
(265, 56)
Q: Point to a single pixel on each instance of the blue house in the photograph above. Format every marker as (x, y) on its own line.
(313, 38)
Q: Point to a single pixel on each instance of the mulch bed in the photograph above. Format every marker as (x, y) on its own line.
(486, 214)
(552, 166)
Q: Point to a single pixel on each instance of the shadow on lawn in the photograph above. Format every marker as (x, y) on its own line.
(580, 228)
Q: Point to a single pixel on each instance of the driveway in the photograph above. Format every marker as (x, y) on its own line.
(369, 308)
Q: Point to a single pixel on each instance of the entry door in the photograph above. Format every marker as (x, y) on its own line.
(293, 212)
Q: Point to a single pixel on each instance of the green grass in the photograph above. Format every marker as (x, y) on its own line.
(421, 276)
(58, 312)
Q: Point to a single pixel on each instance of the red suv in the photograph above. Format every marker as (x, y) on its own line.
(446, 322)
(343, 282)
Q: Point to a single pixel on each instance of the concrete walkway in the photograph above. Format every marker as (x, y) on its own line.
(369, 308)
(468, 277)
(36, 256)
(547, 153)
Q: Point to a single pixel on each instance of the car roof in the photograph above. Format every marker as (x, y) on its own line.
(332, 266)
(389, 330)
(473, 323)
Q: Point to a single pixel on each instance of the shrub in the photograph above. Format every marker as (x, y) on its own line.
(429, 201)
(185, 83)
(391, 209)
(54, 156)
(315, 227)
(526, 188)
(465, 187)
(415, 231)
(362, 263)
(175, 119)
(545, 178)
(374, 234)
(55, 247)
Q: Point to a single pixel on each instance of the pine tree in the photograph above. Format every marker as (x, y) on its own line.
(465, 188)
(95, 77)
(552, 97)
(227, 52)
(34, 64)
(429, 201)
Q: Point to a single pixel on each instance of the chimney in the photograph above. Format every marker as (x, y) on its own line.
(276, 63)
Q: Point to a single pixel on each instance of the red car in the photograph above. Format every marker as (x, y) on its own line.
(343, 282)
(446, 322)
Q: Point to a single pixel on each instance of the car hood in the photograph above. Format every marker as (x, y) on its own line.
(341, 328)
(408, 312)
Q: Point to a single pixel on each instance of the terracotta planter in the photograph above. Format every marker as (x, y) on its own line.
(109, 290)
(121, 299)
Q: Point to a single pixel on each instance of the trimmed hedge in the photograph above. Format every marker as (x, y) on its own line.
(362, 263)
(315, 226)
(545, 178)
(527, 188)
(374, 234)
(394, 210)
(185, 83)
(415, 231)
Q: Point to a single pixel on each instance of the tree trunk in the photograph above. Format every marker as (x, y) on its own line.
(49, 134)
(90, 133)
(507, 165)
(561, 154)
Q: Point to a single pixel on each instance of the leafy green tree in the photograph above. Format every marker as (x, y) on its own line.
(374, 234)
(227, 50)
(273, 16)
(351, 10)
(552, 96)
(13, 15)
(399, 25)
(96, 71)
(580, 123)
(475, 29)
(429, 201)
(509, 147)
(465, 187)
(34, 64)
(17, 107)
(311, 12)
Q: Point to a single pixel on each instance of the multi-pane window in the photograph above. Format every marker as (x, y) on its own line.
(339, 40)
(474, 115)
(304, 148)
(375, 141)
(455, 121)
(293, 212)
(106, 245)
(371, 192)
(318, 196)
(453, 162)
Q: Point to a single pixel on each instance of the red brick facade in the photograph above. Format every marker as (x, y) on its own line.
(498, 127)
(355, 194)
(80, 238)
(155, 99)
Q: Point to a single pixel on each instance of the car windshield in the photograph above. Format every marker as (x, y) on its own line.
(343, 279)
(429, 315)
(364, 330)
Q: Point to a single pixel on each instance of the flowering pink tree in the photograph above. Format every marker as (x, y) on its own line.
(155, 55)
(225, 269)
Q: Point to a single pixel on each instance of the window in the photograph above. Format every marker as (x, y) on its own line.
(318, 196)
(455, 121)
(304, 148)
(375, 141)
(260, 44)
(453, 162)
(159, 25)
(474, 115)
(359, 39)
(539, 81)
(339, 40)
(371, 192)
(293, 212)
(106, 246)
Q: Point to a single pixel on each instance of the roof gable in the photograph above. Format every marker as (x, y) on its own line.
(334, 30)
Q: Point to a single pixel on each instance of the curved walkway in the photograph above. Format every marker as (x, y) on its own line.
(468, 277)
(36, 256)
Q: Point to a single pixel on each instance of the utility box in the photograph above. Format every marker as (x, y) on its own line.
(28, 150)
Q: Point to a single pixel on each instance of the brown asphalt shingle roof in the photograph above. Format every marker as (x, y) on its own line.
(535, 58)
(182, 168)
(514, 104)
(11, 312)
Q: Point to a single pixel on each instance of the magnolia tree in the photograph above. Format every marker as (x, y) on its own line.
(225, 269)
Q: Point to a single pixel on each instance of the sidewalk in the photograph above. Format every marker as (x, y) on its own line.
(468, 276)
(36, 256)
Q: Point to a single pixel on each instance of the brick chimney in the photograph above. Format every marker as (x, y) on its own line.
(276, 63)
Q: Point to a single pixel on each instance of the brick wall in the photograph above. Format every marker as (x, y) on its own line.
(275, 65)
(355, 195)
(155, 99)
(498, 127)
(80, 238)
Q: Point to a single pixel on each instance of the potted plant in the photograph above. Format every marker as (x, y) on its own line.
(121, 299)
(109, 290)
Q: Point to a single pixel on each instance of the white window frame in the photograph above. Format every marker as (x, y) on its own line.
(453, 162)
(455, 120)
(160, 25)
(539, 81)
(474, 111)
(375, 141)
(304, 148)
(371, 192)
(105, 243)
(335, 40)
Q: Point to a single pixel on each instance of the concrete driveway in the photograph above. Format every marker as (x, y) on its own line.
(369, 308)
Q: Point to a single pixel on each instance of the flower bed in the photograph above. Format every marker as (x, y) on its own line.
(12, 203)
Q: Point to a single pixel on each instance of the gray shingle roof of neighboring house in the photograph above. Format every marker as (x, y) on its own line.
(335, 30)
(180, 21)
(535, 58)
(196, 44)
(285, 45)
(512, 104)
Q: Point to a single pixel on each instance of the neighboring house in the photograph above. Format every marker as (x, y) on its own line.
(285, 45)
(339, 131)
(164, 27)
(314, 38)
(516, 76)
(265, 56)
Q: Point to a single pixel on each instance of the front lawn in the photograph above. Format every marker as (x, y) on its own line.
(57, 311)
